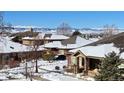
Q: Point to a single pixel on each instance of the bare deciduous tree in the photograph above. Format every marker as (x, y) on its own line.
(1, 22)
(35, 50)
(4, 26)
(109, 30)
(64, 29)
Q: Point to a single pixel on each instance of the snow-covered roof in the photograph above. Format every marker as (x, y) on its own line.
(41, 35)
(8, 46)
(81, 41)
(28, 38)
(97, 51)
(57, 37)
(122, 55)
(78, 43)
(55, 44)
(90, 32)
(52, 37)
(94, 39)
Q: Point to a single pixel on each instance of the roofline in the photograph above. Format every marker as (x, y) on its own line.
(20, 52)
(95, 57)
(79, 52)
(86, 55)
(61, 48)
(41, 39)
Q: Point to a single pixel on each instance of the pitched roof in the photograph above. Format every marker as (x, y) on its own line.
(71, 40)
(25, 34)
(8, 46)
(97, 51)
(47, 35)
(76, 39)
(57, 37)
(117, 40)
(55, 44)
(71, 43)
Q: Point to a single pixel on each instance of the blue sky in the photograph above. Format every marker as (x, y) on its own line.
(77, 19)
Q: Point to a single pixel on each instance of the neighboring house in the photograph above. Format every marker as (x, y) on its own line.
(42, 39)
(12, 53)
(86, 59)
(53, 37)
(62, 47)
(27, 33)
(30, 41)
(17, 37)
(117, 40)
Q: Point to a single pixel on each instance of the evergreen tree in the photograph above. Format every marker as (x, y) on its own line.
(76, 33)
(109, 68)
(17, 39)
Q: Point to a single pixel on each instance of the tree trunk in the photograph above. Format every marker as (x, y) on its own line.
(36, 67)
(26, 71)
(31, 76)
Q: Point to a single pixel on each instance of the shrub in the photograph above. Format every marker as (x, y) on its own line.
(57, 68)
(48, 55)
(64, 67)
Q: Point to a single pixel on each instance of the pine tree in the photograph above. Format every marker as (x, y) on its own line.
(108, 69)
(76, 33)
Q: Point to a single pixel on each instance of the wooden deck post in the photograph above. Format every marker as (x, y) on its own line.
(86, 66)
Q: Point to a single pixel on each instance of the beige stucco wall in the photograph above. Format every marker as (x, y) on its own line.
(74, 60)
(62, 52)
(27, 42)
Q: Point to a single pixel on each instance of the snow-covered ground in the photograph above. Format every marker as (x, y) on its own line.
(58, 77)
(46, 70)
(46, 65)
